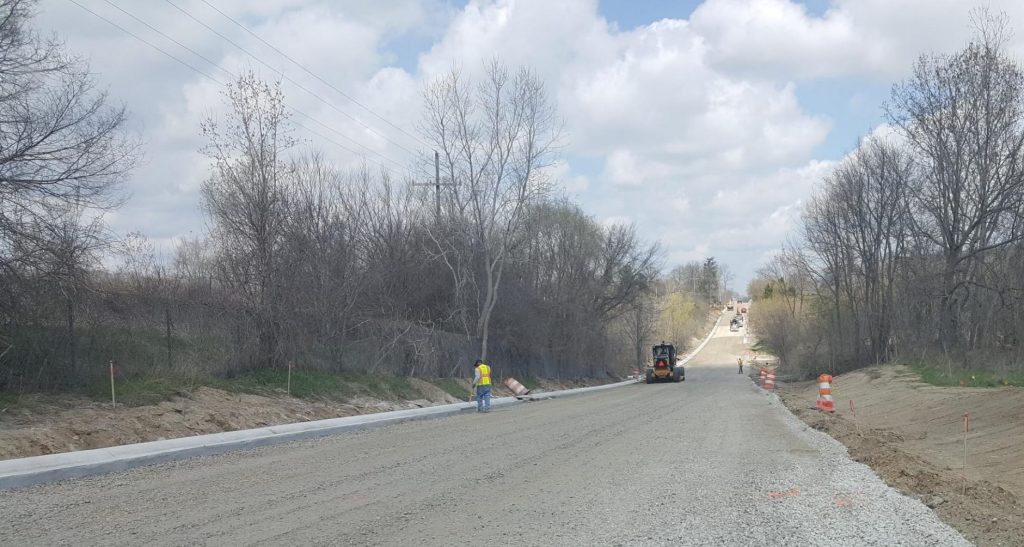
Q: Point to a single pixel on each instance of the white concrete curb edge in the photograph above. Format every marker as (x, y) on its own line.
(705, 341)
(23, 472)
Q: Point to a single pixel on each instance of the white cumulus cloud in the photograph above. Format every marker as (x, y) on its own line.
(694, 129)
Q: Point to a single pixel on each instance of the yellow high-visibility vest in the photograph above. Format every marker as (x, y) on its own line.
(485, 375)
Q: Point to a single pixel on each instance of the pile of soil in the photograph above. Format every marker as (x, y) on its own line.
(51, 425)
(911, 435)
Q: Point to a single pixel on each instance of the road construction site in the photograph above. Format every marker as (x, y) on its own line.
(912, 435)
(710, 461)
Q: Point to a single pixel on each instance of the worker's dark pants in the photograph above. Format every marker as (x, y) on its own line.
(483, 398)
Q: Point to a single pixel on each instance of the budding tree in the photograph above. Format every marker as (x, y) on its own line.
(963, 117)
(245, 198)
(494, 138)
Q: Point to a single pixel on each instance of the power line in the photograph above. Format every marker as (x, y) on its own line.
(208, 76)
(154, 29)
(338, 144)
(215, 64)
(311, 73)
(225, 71)
(342, 135)
(215, 80)
(290, 80)
(144, 41)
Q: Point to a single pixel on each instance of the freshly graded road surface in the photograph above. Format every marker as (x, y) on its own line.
(712, 461)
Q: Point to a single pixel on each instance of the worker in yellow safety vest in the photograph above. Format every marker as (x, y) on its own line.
(482, 383)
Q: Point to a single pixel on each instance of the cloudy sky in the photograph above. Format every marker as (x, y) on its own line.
(707, 123)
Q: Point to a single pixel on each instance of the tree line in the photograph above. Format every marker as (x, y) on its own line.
(912, 246)
(304, 261)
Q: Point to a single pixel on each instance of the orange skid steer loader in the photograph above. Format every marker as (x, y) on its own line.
(665, 366)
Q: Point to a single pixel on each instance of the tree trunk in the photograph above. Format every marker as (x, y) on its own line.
(493, 282)
(948, 323)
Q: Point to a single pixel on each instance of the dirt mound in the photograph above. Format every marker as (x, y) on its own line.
(205, 410)
(51, 426)
(910, 433)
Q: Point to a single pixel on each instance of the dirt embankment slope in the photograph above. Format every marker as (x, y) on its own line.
(49, 426)
(911, 434)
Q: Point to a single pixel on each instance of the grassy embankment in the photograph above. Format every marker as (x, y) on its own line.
(143, 375)
(938, 375)
(761, 348)
(946, 376)
(150, 368)
(314, 385)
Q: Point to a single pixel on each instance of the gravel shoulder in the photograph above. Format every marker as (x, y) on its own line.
(712, 461)
(910, 434)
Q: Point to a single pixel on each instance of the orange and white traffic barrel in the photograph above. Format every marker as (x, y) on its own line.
(516, 387)
(825, 402)
(769, 380)
(762, 375)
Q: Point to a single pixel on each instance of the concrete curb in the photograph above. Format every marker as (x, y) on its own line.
(22, 472)
(705, 341)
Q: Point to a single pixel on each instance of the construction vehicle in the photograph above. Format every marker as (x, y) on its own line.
(665, 366)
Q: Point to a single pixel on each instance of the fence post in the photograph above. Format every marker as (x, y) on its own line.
(291, 365)
(967, 427)
(113, 395)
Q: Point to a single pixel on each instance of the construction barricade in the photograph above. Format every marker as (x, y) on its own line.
(762, 375)
(518, 389)
(825, 402)
(769, 380)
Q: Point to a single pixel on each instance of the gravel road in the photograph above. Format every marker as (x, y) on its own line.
(713, 461)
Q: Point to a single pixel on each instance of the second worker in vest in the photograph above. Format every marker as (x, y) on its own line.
(482, 383)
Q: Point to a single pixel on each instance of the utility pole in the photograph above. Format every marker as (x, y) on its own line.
(436, 184)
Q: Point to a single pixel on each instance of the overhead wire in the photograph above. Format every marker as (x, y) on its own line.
(311, 73)
(215, 80)
(290, 80)
(303, 114)
(144, 41)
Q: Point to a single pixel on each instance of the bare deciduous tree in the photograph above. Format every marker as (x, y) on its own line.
(63, 153)
(911, 241)
(495, 138)
(963, 117)
(245, 198)
(61, 142)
